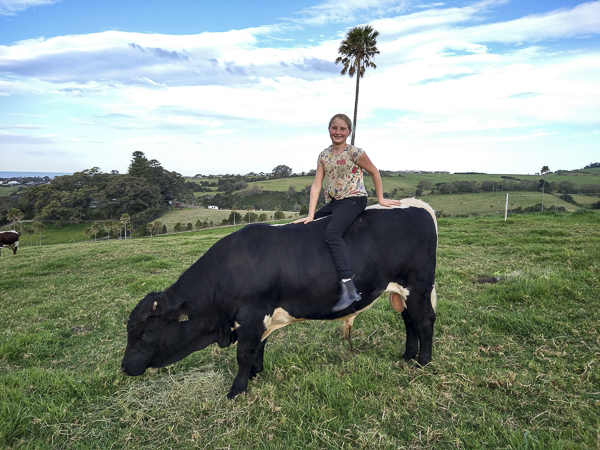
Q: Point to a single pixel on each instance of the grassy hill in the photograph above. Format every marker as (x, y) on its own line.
(515, 361)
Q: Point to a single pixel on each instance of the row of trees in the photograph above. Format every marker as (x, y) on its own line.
(109, 226)
(510, 184)
(144, 194)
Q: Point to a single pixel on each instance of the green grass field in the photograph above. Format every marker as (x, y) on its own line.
(515, 364)
(192, 214)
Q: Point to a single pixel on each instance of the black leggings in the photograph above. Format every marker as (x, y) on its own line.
(343, 212)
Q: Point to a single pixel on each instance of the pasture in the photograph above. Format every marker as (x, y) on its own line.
(515, 363)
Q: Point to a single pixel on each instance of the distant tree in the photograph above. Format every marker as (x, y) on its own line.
(282, 171)
(158, 226)
(108, 226)
(28, 231)
(39, 228)
(425, 185)
(554, 191)
(198, 223)
(279, 215)
(87, 231)
(356, 52)
(117, 228)
(251, 217)
(543, 172)
(178, 227)
(234, 218)
(190, 226)
(14, 215)
(125, 219)
(95, 229)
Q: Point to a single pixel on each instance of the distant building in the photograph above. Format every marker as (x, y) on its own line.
(212, 207)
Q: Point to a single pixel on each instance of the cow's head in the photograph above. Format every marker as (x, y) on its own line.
(161, 332)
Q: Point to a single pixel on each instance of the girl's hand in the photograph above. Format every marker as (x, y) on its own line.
(304, 220)
(389, 203)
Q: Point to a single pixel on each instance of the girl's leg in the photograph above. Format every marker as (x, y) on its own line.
(344, 212)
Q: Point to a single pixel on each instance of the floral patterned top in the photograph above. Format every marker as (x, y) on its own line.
(343, 176)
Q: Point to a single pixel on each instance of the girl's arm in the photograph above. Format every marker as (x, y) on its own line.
(365, 163)
(315, 191)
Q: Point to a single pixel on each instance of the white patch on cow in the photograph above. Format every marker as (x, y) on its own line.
(183, 318)
(279, 319)
(408, 203)
(395, 288)
(235, 326)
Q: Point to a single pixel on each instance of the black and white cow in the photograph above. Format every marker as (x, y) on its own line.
(264, 277)
(9, 239)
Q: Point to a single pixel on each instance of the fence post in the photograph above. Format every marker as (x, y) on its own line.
(506, 208)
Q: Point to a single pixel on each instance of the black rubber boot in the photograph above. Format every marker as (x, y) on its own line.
(348, 295)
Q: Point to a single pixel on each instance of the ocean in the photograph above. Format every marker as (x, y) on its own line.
(7, 174)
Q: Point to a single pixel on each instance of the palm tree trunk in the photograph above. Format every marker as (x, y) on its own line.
(355, 106)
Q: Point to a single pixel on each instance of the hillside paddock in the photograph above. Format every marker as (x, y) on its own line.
(515, 364)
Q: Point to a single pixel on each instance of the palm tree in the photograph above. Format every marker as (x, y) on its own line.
(14, 215)
(125, 219)
(27, 230)
(356, 52)
(39, 227)
(157, 227)
(108, 226)
(95, 228)
(544, 171)
(117, 228)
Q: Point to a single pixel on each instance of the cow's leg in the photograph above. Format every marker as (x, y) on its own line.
(15, 250)
(412, 337)
(419, 318)
(425, 330)
(257, 365)
(249, 343)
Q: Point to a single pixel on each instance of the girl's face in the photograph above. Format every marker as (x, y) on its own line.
(339, 131)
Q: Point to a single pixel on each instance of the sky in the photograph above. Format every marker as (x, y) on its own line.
(233, 87)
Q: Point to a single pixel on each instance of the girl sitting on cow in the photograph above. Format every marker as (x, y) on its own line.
(341, 166)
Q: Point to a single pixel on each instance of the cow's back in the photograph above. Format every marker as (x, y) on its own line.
(290, 265)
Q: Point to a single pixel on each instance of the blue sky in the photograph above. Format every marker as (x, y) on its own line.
(494, 86)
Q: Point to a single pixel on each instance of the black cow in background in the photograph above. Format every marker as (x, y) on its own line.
(264, 277)
(9, 239)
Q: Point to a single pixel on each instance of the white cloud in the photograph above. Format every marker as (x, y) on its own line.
(12, 7)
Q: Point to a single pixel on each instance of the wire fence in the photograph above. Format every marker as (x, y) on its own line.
(507, 203)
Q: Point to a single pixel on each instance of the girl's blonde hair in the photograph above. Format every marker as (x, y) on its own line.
(344, 117)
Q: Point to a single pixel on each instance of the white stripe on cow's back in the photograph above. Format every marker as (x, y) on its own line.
(408, 203)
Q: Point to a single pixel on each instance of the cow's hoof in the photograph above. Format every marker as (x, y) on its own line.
(408, 356)
(253, 374)
(423, 362)
(233, 393)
